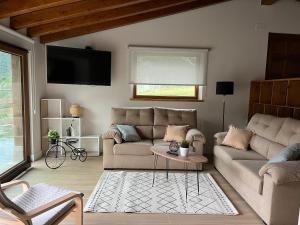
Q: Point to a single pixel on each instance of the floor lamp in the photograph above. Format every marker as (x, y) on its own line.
(224, 88)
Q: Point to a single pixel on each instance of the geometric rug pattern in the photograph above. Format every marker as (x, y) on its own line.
(132, 192)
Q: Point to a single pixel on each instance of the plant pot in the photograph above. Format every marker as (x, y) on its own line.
(53, 141)
(183, 152)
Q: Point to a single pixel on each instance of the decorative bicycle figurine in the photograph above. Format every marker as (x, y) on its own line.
(56, 154)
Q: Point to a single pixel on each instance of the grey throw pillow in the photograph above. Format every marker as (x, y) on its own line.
(129, 133)
(289, 153)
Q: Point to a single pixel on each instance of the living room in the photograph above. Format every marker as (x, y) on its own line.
(231, 41)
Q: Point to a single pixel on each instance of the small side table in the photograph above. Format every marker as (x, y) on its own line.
(192, 158)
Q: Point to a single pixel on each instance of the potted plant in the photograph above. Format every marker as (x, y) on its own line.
(184, 148)
(53, 135)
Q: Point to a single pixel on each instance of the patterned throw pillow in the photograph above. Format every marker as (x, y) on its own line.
(176, 133)
(237, 138)
(129, 133)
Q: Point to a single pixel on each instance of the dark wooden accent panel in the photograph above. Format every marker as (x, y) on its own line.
(271, 109)
(10, 8)
(283, 60)
(268, 2)
(266, 92)
(58, 13)
(297, 114)
(255, 91)
(293, 97)
(279, 93)
(275, 97)
(96, 18)
(285, 112)
(126, 20)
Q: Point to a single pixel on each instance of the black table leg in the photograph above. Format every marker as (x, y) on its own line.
(197, 168)
(167, 168)
(155, 164)
(186, 180)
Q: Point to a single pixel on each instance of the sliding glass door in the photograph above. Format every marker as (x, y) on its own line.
(14, 118)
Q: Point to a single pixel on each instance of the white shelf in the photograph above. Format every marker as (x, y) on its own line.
(53, 118)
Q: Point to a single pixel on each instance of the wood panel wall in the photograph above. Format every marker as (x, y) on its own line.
(283, 60)
(275, 97)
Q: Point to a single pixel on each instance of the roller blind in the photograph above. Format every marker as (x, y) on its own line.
(167, 66)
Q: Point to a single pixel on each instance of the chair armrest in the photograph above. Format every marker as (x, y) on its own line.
(283, 172)
(219, 137)
(113, 133)
(13, 183)
(195, 135)
(50, 205)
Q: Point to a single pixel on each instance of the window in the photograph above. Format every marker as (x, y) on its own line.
(168, 73)
(183, 92)
(14, 112)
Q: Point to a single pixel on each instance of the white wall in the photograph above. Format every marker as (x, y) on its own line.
(237, 33)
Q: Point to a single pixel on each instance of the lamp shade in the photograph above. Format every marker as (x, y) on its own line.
(224, 87)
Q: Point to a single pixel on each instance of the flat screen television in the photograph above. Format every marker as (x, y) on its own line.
(78, 66)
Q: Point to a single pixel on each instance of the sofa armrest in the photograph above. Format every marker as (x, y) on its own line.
(195, 135)
(113, 133)
(219, 137)
(283, 172)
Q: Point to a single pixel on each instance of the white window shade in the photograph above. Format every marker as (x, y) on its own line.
(168, 66)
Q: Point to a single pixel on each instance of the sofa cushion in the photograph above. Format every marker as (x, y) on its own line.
(247, 171)
(159, 132)
(142, 148)
(289, 132)
(160, 142)
(132, 116)
(228, 154)
(165, 117)
(145, 132)
(266, 126)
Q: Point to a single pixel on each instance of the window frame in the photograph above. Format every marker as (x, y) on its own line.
(26, 163)
(194, 98)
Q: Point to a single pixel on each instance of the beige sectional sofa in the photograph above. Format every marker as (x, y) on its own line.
(275, 195)
(151, 125)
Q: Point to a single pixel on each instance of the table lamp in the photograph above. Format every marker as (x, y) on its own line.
(224, 88)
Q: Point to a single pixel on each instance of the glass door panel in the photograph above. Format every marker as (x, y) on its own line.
(12, 150)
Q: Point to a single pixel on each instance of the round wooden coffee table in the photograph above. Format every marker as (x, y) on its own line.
(192, 158)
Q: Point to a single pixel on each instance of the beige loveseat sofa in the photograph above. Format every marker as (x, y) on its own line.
(151, 125)
(275, 195)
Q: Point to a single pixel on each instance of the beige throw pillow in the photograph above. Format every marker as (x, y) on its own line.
(237, 138)
(176, 133)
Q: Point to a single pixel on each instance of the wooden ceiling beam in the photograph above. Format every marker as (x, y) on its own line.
(103, 16)
(268, 2)
(9, 8)
(126, 20)
(54, 14)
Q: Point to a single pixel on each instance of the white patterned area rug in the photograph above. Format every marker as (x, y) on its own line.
(132, 192)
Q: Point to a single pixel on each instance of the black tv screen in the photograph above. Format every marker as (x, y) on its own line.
(78, 66)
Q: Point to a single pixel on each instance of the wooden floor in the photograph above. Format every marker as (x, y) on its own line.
(84, 176)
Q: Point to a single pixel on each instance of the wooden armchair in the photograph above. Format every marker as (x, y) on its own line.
(40, 204)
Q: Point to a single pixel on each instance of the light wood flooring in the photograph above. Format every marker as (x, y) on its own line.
(84, 176)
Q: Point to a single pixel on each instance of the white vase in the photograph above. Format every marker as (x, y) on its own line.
(183, 152)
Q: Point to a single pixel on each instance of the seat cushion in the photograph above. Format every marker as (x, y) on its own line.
(247, 171)
(160, 142)
(39, 195)
(134, 148)
(227, 153)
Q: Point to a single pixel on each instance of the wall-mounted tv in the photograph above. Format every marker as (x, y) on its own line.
(78, 66)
